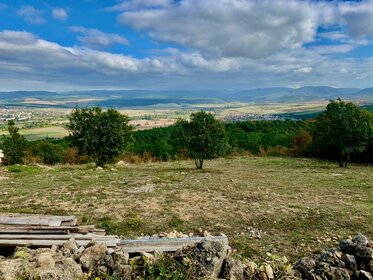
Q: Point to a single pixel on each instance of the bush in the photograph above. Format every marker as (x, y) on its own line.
(46, 152)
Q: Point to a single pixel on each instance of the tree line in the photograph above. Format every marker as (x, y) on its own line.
(343, 132)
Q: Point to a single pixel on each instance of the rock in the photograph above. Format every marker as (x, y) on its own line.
(306, 267)
(269, 271)
(262, 276)
(365, 254)
(232, 269)
(120, 258)
(70, 247)
(360, 239)
(92, 256)
(347, 246)
(207, 258)
(324, 270)
(254, 233)
(250, 268)
(371, 266)
(364, 275)
(126, 272)
(42, 264)
(350, 261)
(340, 274)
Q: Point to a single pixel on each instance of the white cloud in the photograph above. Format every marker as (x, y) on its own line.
(31, 15)
(60, 14)
(230, 28)
(359, 17)
(28, 62)
(97, 39)
(247, 28)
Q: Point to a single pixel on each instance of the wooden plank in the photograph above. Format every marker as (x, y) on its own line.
(32, 219)
(42, 229)
(164, 244)
(50, 243)
(55, 237)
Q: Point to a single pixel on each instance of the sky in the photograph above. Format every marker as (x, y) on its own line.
(184, 44)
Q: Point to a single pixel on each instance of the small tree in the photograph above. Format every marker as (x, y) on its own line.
(14, 145)
(102, 135)
(343, 129)
(203, 136)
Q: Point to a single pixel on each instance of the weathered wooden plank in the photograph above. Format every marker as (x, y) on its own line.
(56, 237)
(44, 229)
(32, 219)
(50, 243)
(164, 244)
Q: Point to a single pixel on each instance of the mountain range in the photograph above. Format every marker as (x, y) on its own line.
(143, 98)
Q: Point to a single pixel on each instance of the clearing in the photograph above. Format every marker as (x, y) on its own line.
(298, 206)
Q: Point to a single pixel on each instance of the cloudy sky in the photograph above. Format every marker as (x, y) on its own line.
(184, 44)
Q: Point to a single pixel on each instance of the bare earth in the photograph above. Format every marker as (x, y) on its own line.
(297, 205)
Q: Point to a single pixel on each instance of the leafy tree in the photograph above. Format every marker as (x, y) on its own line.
(343, 129)
(47, 152)
(203, 136)
(14, 145)
(102, 135)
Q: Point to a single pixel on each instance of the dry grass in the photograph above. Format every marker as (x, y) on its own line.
(298, 203)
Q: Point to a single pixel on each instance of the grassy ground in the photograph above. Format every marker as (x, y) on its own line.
(300, 205)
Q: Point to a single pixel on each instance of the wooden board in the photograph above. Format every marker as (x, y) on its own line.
(40, 220)
(165, 244)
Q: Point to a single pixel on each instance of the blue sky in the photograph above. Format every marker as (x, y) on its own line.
(184, 44)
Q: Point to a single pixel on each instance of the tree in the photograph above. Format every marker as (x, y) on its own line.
(14, 145)
(203, 136)
(343, 129)
(102, 135)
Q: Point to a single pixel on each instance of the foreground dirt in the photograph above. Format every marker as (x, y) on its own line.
(283, 206)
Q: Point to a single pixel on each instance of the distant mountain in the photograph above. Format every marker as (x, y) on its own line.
(296, 95)
(142, 98)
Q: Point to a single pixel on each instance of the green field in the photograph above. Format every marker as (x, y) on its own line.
(33, 134)
(299, 205)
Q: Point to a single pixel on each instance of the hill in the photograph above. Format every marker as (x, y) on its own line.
(180, 98)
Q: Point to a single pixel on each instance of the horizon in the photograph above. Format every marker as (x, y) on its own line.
(177, 44)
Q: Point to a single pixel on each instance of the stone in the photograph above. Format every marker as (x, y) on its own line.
(364, 253)
(269, 271)
(347, 246)
(42, 264)
(350, 261)
(306, 266)
(206, 258)
(70, 247)
(360, 239)
(340, 274)
(365, 275)
(126, 272)
(250, 268)
(371, 266)
(232, 269)
(324, 270)
(262, 276)
(92, 257)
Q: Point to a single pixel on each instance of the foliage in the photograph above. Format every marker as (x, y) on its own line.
(343, 129)
(282, 268)
(102, 135)
(14, 145)
(162, 268)
(47, 152)
(203, 136)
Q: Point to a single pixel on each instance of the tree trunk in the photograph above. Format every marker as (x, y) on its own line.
(199, 163)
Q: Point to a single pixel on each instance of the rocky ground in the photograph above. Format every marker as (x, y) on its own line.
(352, 259)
